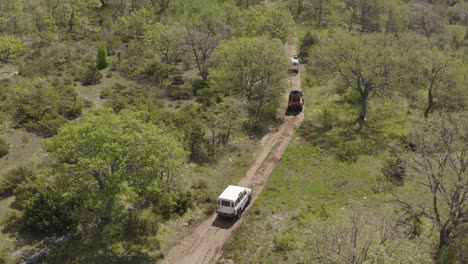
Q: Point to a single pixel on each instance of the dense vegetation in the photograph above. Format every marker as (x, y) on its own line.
(180, 83)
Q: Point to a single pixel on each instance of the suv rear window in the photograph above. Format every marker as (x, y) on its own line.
(225, 203)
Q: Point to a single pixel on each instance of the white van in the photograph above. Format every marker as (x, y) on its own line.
(294, 64)
(233, 201)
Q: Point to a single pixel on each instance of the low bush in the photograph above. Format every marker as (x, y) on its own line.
(394, 170)
(43, 109)
(346, 152)
(285, 242)
(91, 76)
(13, 178)
(181, 92)
(4, 147)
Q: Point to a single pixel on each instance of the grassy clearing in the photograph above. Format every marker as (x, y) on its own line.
(92, 93)
(312, 182)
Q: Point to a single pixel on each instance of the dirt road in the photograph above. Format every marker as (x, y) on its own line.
(205, 243)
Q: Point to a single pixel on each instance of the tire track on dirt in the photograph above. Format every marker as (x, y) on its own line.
(205, 243)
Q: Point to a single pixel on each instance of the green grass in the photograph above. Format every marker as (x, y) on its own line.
(311, 184)
(230, 168)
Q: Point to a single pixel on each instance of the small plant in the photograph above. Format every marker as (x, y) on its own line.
(91, 76)
(13, 178)
(4, 147)
(346, 153)
(285, 242)
(198, 84)
(394, 171)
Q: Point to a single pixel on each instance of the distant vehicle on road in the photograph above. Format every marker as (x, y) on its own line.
(294, 64)
(233, 201)
(296, 101)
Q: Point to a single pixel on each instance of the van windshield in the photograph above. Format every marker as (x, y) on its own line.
(225, 203)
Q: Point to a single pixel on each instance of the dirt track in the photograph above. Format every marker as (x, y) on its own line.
(205, 243)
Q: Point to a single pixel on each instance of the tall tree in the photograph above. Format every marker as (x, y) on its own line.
(364, 63)
(443, 79)
(167, 40)
(426, 19)
(104, 154)
(437, 165)
(254, 69)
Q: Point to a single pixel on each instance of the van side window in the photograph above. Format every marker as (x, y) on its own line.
(237, 201)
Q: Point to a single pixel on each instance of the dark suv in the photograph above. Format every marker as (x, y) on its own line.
(296, 101)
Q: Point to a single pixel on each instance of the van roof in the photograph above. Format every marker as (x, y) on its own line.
(231, 193)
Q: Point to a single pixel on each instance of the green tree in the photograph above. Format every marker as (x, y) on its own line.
(367, 64)
(225, 118)
(101, 57)
(273, 20)
(443, 78)
(254, 69)
(437, 162)
(370, 15)
(167, 41)
(104, 154)
(11, 48)
(427, 19)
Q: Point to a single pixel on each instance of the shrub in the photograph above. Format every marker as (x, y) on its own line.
(346, 152)
(48, 125)
(49, 212)
(181, 92)
(91, 76)
(328, 118)
(101, 57)
(394, 170)
(285, 242)
(156, 72)
(13, 221)
(201, 193)
(198, 84)
(177, 80)
(309, 40)
(4, 147)
(13, 178)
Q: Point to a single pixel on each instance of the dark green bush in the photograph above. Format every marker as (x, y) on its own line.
(346, 152)
(285, 242)
(49, 212)
(101, 57)
(181, 92)
(177, 80)
(310, 39)
(91, 76)
(394, 170)
(156, 72)
(198, 84)
(13, 178)
(43, 109)
(13, 221)
(4, 147)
